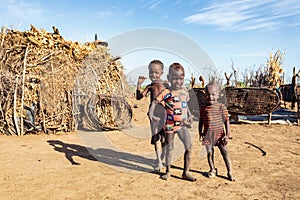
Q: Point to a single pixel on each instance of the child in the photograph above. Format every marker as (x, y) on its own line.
(176, 121)
(155, 88)
(213, 118)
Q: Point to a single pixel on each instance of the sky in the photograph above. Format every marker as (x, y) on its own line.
(241, 33)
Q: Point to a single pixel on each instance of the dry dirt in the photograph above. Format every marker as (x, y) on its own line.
(118, 165)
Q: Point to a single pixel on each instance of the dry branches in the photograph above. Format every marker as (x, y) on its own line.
(38, 75)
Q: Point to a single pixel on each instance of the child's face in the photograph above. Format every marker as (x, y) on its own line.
(176, 79)
(212, 94)
(155, 72)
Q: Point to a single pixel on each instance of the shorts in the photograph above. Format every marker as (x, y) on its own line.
(158, 136)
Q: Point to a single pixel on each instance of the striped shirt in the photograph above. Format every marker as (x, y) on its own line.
(213, 118)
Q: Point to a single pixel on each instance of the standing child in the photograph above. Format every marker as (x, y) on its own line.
(155, 88)
(214, 118)
(177, 119)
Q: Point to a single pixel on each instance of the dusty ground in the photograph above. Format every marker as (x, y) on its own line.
(118, 165)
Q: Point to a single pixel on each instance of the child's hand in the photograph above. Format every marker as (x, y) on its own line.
(190, 120)
(141, 79)
(154, 119)
(187, 123)
(225, 140)
(201, 137)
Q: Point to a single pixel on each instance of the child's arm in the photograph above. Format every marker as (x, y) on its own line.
(226, 124)
(189, 114)
(139, 94)
(201, 123)
(189, 119)
(200, 129)
(227, 132)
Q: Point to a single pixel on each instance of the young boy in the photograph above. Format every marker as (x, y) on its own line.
(214, 118)
(155, 88)
(176, 121)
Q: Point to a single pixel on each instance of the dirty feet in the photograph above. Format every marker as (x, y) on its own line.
(159, 166)
(165, 176)
(189, 177)
(212, 173)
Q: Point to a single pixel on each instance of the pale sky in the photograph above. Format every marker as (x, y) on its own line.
(242, 31)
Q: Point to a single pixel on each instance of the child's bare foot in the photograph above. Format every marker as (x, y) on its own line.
(166, 176)
(189, 177)
(212, 173)
(159, 166)
(230, 177)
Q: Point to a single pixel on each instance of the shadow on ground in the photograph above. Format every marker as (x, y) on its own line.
(111, 157)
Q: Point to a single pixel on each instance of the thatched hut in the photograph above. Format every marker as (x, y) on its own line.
(45, 79)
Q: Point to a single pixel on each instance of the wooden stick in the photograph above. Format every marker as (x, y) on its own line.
(23, 88)
(42, 107)
(15, 119)
(3, 29)
(53, 85)
(269, 118)
(122, 84)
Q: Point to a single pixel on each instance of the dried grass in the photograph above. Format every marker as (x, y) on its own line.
(42, 75)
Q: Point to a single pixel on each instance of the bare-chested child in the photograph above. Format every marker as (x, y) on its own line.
(155, 88)
(214, 129)
(177, 118)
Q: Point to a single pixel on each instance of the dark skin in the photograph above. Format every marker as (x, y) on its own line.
(212, 95)
(155, 73)
(176, 78)
(156, 87)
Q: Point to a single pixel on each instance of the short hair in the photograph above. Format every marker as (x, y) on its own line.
(177, 67)
(156, 62)
(212, 83)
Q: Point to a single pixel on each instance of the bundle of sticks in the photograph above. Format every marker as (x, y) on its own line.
(39, 75)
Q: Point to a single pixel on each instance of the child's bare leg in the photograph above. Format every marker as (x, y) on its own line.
(186, 172)
(185, 138)
(226, 159)
(169, 151)
(168, 164)
(155, 141)
(159, 165)
(163, 150)
(210, 157)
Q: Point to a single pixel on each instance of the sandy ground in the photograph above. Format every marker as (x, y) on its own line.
(118, 165)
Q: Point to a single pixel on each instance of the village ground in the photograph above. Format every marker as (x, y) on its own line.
(118, 165)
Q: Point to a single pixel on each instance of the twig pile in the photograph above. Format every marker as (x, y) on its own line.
(38, 74)
(102, 94)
